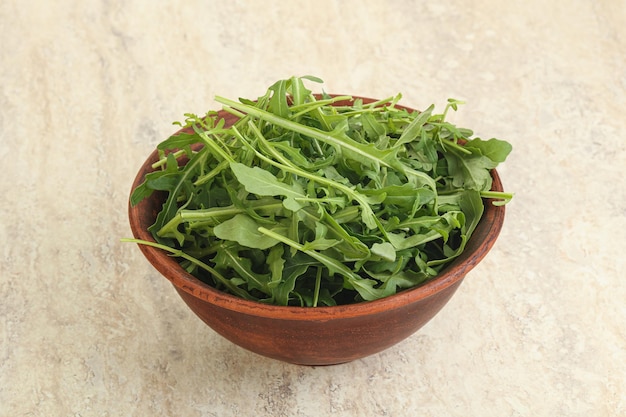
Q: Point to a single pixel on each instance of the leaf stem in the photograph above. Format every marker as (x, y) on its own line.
(216, 149)
(326, 137)
(179, 253)
(501, 197)
(318, 283)
(163, 160)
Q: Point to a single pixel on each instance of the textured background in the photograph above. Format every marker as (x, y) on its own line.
(88, 88)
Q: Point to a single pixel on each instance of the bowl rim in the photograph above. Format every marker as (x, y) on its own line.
(488, 230)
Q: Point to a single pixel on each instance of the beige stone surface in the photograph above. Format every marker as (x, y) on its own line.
(88, 88)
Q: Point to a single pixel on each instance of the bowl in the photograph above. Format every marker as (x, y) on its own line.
(314, 335)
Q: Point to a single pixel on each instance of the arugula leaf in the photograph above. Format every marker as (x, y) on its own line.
(295, 267)
(228, 256)
(472, 207)
(263, 183)
(385, 250)
(470, 171)
(494, 149)
(244, 230)
(414, 129)
(278, 101)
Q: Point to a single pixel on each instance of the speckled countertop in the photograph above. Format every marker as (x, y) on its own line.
(88, 88)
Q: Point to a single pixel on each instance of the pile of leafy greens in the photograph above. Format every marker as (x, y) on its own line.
(308, 201)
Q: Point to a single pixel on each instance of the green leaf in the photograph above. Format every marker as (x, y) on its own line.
(276, 264)
(244, 230)
(372, 127)
(414, 129)
(228, 256)
(261, 182)
(320, 244)
(295, 267)
(298, 91)
(472, 207)
(401, 241)
(179, 141)
(312, 78)
(470, 171)
(494, 149)
(278, 101)
(385, 250)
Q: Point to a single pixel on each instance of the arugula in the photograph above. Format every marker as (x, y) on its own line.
(305, 201)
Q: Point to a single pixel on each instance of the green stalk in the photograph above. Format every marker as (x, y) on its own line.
(214, 147)
(326, 137)
(503, 197)
(179, 253)
(162, 161)
(318, 283)
(206, 177)
(307, 107)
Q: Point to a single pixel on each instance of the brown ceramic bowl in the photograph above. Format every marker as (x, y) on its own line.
(315, 335)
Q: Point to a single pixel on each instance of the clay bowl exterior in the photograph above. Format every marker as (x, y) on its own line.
(314, 335)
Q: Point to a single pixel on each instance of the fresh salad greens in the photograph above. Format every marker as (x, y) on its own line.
(308, 201)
